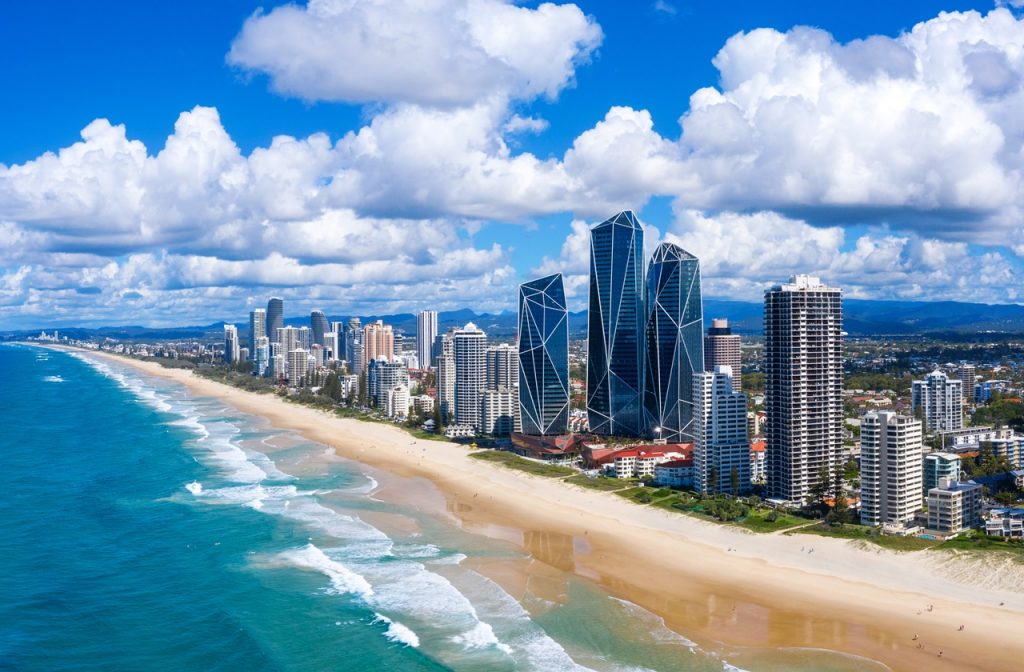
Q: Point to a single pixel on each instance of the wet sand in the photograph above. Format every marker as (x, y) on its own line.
(722, 587)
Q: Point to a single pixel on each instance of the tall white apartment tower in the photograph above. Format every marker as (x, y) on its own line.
(721, 450)
(257, 330)
(470, 346)
(939, 400)
(722, 348)
(446, 376)
(426, 333)
(231, 348)
(891, 466)
(298, 366)
(803, 366)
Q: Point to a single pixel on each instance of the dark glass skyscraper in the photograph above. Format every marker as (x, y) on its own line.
(675, 342)
(275, 318)
(543, 356)
(614, 343)
(320, 326)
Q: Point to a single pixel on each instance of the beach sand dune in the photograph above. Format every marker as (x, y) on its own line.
(727, 589)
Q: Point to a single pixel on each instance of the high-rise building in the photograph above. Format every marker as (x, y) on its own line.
(257, 329)
(298, 366)
(305, 335)
(469, 345)
(231, 347)
(890, 469)
(289, 339)
(262, 355)
(967, 375)
(331, 344)
(319, 325)
(426, 333)
(939, 401)
(354, 352)
(674, 343)
(498, 411)
(445, 358)
(543, 357)
(396, 402)
(275, 317)
(803, 369)
(382, 376)
(502, 362)
(721, 448)
(378, 341)
(614, 343)
(722, 348)
(339, 330)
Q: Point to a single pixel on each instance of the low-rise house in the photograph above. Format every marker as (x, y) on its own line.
(675, 473)
(1007, 523)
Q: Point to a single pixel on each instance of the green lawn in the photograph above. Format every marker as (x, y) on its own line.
(602, 483)
(871, 535)
(979, 542)
(513, 461)
(757, 521)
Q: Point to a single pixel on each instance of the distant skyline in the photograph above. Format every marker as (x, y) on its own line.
(170, 165)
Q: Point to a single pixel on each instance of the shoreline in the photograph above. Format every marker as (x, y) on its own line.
(719, 586)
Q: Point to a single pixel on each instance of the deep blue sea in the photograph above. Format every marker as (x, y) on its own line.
(145, 529)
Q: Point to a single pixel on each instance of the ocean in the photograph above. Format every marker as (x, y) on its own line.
(142, 528)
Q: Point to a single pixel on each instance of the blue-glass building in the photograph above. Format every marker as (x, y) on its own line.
(275, 318)
(675, 342)
(543, 357)
(614, 341)
(320, 326)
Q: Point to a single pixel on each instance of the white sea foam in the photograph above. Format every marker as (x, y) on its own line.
(343, 580)
(195, 487)
(397, 632)
(53, 379)
(453, 559)
(481, 636)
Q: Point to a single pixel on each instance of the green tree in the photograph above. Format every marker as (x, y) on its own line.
(819, 491)
(734, 481)
(713, 479)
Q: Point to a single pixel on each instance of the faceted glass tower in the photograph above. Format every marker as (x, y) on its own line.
(543, 356)
(614, 345)
(675, 342)
(275, 318)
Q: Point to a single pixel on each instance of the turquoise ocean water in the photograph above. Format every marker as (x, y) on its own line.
(144, 529)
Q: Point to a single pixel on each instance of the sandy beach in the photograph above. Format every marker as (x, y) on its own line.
(719, 586)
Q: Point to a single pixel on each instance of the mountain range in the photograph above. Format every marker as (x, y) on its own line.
(860, 318)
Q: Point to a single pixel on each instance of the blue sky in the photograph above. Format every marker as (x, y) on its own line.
(459, 151)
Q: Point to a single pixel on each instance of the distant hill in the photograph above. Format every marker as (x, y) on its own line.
(861, 318)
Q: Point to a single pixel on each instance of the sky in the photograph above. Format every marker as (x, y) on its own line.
(178, 163)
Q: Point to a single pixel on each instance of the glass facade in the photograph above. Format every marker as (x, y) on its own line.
(675, 342)
(614, 344)
(320, 326)
(543, 356)
(275, 318)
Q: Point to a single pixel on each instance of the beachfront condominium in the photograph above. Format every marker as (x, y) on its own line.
(967, 374)
(469, 345)
(722, 348)
(257, 329)
(937, 466)
(938, 400)
(426, 333)
(231, 347)
(261, 355)
(382, 376)
(298, 366)
(275, 317)
(502, 362)
(721, 449)
(543, 357)
(320, 326)
(614, 340)
(803, 379)
(378, 341)
(674, 343)
(890, 469)
(446, 376)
